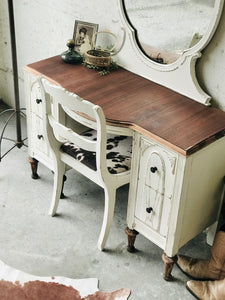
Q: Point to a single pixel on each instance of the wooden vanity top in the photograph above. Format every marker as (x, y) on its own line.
(174, 120)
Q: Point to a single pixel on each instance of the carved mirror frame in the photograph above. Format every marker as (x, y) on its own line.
(180, 75)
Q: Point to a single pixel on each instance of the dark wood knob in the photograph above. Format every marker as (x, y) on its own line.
(38, 101)
(40, 136)
(149, 210)
(153, 169)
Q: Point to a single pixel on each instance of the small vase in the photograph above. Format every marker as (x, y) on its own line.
(71, 56)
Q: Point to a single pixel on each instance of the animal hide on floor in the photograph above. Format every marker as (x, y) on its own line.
(18, 285)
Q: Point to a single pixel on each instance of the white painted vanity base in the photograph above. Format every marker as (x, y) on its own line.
(183, 195)
(178, 161)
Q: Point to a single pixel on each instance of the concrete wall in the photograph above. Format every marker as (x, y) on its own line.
(42, 28)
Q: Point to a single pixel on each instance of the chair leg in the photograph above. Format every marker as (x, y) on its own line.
(62, 196)
(110, 198)
(57, 188)
(34, 165)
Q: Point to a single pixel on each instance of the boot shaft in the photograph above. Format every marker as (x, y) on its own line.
(217, 259)
(210, 269)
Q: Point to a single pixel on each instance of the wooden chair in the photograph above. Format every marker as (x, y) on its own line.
(103, 158)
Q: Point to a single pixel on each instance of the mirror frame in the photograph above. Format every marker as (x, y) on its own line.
(180, 75)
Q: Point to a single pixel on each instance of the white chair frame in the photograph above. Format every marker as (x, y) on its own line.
(56, 133)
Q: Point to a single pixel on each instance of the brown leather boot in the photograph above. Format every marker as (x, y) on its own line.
(207, 290)
(211, 269)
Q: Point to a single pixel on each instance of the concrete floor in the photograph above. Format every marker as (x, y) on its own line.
(66, 245)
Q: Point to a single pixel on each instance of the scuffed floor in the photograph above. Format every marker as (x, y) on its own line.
(66, 245)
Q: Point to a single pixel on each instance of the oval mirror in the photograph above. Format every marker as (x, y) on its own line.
(165, 29)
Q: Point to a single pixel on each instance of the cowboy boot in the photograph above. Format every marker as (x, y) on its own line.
(207, 290)
(211, 269)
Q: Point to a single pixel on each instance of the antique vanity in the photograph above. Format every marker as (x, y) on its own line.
(169, 193)
(178, 161)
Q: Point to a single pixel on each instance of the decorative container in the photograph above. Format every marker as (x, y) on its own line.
(99, 57)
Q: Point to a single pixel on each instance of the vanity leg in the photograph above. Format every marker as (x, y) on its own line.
(34, 164)
(168, 263)
(62, 196)
(131, 234)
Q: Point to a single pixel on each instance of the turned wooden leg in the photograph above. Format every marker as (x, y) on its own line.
(168, 263)
(62, 196)
(131, 234)
(34, 165)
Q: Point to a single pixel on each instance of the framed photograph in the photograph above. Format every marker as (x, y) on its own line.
(83, 35)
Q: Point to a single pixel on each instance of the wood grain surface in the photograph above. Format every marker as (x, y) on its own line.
(131, 100)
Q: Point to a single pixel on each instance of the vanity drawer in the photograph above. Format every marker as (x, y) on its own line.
(35, 100)
(155, 185)
(38, 138)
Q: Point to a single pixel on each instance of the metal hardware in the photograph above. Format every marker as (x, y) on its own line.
(149, 210)
(38, 101)
(153, 169)
(17, 112)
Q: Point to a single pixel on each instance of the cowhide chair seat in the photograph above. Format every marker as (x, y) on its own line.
(118, 154)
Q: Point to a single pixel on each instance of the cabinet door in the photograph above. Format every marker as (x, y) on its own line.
(37, 145)
(39, 142)
(155, 187)
(35, 99)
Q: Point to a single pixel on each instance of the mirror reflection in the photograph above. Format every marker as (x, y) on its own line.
(164, 29)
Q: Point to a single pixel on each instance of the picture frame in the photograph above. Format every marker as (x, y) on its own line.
(83, 35)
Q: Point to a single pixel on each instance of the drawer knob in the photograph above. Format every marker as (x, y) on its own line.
(153, 169)
(40, 136)
(149, 210)
(38, 101)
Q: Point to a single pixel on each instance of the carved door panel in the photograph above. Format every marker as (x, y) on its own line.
(38, 145)
(153, 199)
(154, 182)
(38, 135)
(36, 101)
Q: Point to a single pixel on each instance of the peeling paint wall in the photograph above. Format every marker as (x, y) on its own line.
(42, 29)
(43, 26)
(5, 55)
